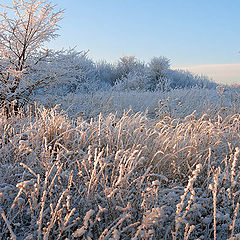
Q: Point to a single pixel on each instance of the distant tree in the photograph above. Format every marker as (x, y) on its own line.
(126, 65)
(186, 79)
(107, 73)
(159, 67)
(133, 75)
(24, 28)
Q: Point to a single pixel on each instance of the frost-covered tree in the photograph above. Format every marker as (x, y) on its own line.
(133, 75)
(24, 28)
(159, 67)
(126, 65)
(107, 73)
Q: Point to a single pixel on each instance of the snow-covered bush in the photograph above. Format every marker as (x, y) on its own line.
(186, 79)
(126, 65)
(139, 79)
(159, 67)
(107, 73)
(75, 72)
(133, 75)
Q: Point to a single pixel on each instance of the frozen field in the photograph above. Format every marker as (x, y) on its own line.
(171, 172)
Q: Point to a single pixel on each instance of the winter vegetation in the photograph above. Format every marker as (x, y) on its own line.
(96, 150)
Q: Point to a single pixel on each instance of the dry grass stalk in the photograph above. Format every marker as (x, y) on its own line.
(13, 236)
(130, 172)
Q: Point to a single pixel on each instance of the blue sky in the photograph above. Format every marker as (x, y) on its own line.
(187, 31)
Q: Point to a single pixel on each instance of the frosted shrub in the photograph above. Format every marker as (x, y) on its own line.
(107, 73)
(159, 68)
(133, 75)
(136, 80)
(185, 79)
(126, 65)
(74, 73)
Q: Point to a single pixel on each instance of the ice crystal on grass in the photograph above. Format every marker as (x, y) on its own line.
(129, 176)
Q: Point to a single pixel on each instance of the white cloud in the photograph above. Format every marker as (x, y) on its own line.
(221, 73)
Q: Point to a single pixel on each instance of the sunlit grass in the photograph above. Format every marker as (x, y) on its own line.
(127, 175)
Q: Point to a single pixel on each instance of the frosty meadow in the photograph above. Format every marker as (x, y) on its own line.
(95, 150)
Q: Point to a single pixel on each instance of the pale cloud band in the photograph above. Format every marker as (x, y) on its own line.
(221, 73)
